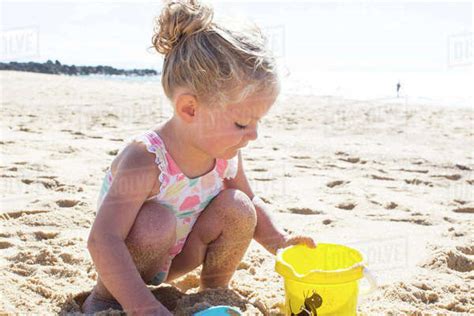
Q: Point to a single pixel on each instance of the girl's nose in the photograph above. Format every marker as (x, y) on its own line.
(253, 133)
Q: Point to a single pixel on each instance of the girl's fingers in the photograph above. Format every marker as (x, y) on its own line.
(309, 242)
(295, 240)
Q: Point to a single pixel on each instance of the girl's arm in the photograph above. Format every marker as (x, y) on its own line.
(133, 182)
(267, 233)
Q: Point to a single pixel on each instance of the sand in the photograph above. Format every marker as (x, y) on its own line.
(389, 177)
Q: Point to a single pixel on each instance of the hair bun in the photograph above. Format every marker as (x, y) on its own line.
(179, 19)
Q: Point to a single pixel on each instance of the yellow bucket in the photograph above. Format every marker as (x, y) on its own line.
(322, 280)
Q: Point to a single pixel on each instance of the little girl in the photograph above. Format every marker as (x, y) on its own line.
(177, 195)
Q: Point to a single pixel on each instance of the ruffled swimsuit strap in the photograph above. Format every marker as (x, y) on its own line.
(155, 145)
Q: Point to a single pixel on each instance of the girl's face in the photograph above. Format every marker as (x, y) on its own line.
(222, 132)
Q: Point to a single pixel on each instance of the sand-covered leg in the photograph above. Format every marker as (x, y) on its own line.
(150, 238)
(218, 240)
(238, 219)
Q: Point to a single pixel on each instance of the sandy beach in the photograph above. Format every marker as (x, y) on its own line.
(389, 177)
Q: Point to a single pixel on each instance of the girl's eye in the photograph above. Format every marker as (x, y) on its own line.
(240, 126)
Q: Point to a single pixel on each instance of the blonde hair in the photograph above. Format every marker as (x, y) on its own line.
(219, 64)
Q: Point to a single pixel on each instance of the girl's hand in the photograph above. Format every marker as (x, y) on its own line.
(290, 240)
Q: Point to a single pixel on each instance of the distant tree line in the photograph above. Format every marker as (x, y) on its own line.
(57, 68)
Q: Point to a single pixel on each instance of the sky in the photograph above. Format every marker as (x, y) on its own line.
(330, 36)
(353, 49)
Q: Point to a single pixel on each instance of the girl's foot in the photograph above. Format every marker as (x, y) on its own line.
(95, 303)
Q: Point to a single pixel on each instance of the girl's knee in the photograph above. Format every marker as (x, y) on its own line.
(239, 206)
(154, 225)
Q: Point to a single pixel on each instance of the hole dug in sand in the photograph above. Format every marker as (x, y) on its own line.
(177, 302)
(167, 295)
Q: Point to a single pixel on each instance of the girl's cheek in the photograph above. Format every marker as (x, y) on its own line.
(230, 138)
(239, 137)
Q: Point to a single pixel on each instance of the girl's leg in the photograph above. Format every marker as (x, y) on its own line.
(151, 236)
(218, 240)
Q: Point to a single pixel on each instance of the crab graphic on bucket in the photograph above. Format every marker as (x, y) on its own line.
(311, 303)
(322, 280)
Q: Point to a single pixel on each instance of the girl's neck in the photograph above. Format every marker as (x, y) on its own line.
(190, 160)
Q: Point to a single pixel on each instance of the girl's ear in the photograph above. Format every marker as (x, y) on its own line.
(186, 105)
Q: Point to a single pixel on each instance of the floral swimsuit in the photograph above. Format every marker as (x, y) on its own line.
(184, 196)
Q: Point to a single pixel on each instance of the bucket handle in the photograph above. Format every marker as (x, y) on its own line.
(372, 282)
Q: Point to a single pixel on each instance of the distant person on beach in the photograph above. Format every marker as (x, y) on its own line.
(177, 195)
(398, 89)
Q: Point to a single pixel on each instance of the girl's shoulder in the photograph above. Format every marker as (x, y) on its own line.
(139, 146)
(137, 149)
(150, 149)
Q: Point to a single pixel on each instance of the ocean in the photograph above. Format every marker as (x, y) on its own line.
(430, 88)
